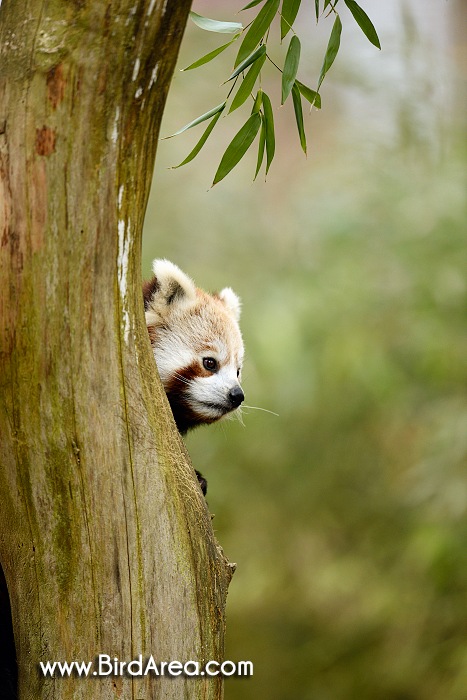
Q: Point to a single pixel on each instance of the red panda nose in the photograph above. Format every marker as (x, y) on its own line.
(236, 396)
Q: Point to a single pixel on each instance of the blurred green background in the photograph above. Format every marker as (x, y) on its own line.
(346, 513)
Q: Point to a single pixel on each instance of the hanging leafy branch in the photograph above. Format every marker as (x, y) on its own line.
(249, 62)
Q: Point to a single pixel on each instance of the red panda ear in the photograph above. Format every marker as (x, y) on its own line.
(231, 301)
(173, 285)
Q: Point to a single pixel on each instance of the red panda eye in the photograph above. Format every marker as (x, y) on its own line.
(238, 372)
(210, 364)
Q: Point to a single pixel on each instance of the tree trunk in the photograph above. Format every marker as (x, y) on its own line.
(105, 540)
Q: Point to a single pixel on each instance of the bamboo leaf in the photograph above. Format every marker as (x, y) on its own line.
(247, 85)
(260, 51)
(201, 142)
(332, 49)
(198, 120)
(269, 129)
(257, 30)
(261, 147)
(214, 25)
(314, 98)
(289, 13)
(251, 4)
(297, 103)
(326, 3)
(238, 147)
(364, 22)
(258, 102)
(209, 56)
(317, 9)
(289, 73)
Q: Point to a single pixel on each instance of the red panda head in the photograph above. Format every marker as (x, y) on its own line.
(197, 345)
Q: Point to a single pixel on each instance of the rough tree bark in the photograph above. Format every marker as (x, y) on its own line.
(105, 540)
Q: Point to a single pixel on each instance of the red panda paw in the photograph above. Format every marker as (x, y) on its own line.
(202, 482)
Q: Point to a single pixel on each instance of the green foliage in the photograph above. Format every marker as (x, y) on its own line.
(290, 10)
(268, 120)
(364, 22)
(290, 67)
(213, 25)
(251, 58)
(258, 29)
(210, 56)
(314, 98)
(238, 147)
(262, 146)
(202, 140)
(245, 89)
(252, 55)
(297, 105)
(199, 120)
(332, 49)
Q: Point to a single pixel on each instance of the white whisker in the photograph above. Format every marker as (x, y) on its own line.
(257, 408)
(181, 378)
(238, 415)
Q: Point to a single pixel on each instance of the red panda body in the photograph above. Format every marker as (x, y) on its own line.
(197, 346)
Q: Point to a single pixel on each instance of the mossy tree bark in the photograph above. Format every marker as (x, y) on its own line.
(105, 540)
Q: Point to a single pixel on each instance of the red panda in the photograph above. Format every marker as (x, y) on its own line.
(197, 346)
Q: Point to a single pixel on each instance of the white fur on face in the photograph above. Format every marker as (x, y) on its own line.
(209, 395)
(171, 355)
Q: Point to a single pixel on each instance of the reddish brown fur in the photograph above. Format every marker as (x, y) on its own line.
(149, 288)
(185, 417)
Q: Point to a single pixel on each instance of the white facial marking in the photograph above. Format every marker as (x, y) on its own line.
(171, 356)
(210, 394)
